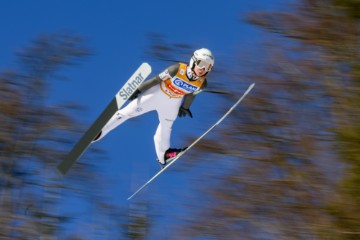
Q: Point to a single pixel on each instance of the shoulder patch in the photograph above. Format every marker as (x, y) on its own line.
(164, 75)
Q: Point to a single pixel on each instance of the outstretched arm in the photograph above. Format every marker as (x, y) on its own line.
(188, 100)
(169, 72)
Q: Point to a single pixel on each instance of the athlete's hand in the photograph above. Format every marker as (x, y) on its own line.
(183, 112)
(134, 95)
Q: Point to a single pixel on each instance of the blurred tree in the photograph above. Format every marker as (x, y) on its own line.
(33, 137)
(138, 222)
(288, 162)
(351, 7)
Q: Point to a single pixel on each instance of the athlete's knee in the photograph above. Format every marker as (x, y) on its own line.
(167, 123)
(119, 115)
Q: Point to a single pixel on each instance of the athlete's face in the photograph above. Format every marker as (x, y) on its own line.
(201, 68)
(199, 71)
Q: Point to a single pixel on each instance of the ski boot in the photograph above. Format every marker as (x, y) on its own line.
(170, 155)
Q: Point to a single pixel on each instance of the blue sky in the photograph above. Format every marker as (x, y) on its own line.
(116, 31)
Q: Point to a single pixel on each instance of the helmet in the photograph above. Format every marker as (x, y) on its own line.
(202, 58)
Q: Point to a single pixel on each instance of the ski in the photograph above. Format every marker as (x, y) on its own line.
(195, 142)
(116, 103)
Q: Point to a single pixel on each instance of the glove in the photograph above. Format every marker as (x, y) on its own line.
(183, 112)
(135, 94)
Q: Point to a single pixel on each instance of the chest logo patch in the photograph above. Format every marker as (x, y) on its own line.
(184, 85)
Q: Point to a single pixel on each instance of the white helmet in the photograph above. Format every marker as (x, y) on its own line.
(202, 58)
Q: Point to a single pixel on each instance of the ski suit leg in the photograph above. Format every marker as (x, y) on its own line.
(142, 104)
(167, 115)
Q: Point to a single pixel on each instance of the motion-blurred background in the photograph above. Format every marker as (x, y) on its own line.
(284, 165)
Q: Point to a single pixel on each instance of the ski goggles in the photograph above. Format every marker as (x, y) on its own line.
(203, 65)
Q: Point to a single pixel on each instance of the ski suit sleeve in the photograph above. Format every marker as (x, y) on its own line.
(149, 83)
(172, 70)
(189, 98)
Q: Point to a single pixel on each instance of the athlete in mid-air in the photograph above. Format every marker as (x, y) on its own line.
(171, 94)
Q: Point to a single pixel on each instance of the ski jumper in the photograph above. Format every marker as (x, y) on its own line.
(165, 94)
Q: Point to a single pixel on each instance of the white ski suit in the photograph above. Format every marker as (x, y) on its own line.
(163, 93)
